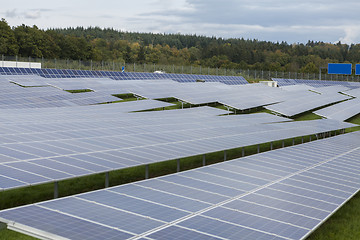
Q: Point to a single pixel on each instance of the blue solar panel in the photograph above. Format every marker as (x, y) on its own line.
(54, 73)
(199, 203)
(66, 225)
(315, 83)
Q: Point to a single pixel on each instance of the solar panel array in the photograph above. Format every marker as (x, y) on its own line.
(69, 73)
(236, 96)
(53, 144)
(353, 92)
(44, 96)
(341, 111)
(282, 194)
(321, 90)
(306, 102)
(315, 83)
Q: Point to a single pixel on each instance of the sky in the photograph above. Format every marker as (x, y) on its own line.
(293, 21)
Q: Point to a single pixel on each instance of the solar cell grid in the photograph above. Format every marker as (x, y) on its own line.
(130, 75)
(209, 202)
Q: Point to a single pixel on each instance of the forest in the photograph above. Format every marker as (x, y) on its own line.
(108, 44)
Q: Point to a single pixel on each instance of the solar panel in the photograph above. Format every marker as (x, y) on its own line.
(315, 83)
(53, 73)
(63, 140)
(281, 194)
(297, 105)
(341, 111)
(354, 92)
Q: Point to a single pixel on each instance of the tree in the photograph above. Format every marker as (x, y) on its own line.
(128, 55)
(8, 44)
(309, 68)
(141, 54)
(34, 42)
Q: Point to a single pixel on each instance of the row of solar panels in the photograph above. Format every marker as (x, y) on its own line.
(69, 73)
(242, 97)
(330, 90)
(315, 83)
(278, 195)
(39, 152)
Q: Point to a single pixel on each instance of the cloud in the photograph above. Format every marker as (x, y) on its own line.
(11, 13)
(29, 14)
(351, 34)
(106, 16)
(277, 20)
(33, 14)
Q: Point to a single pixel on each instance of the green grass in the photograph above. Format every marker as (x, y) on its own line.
(343, 225)
(79, 91)
(307, 117)
(6, 234)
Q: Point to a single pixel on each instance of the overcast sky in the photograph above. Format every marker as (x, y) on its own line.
(292, 21)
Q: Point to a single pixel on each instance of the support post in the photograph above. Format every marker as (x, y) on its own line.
(258, 148)
(147, 171)
(310, 138)
(224, 155)
(243, 151)
(204, 160)
(177, 165)
(283, 143)
(293, 142)
(302, 139)
(271, 145)
(56, 189)
(106, 179)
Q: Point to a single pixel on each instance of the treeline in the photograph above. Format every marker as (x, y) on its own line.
(112, 45)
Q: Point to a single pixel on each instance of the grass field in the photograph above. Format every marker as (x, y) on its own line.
(6, 234)
(345, 224)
